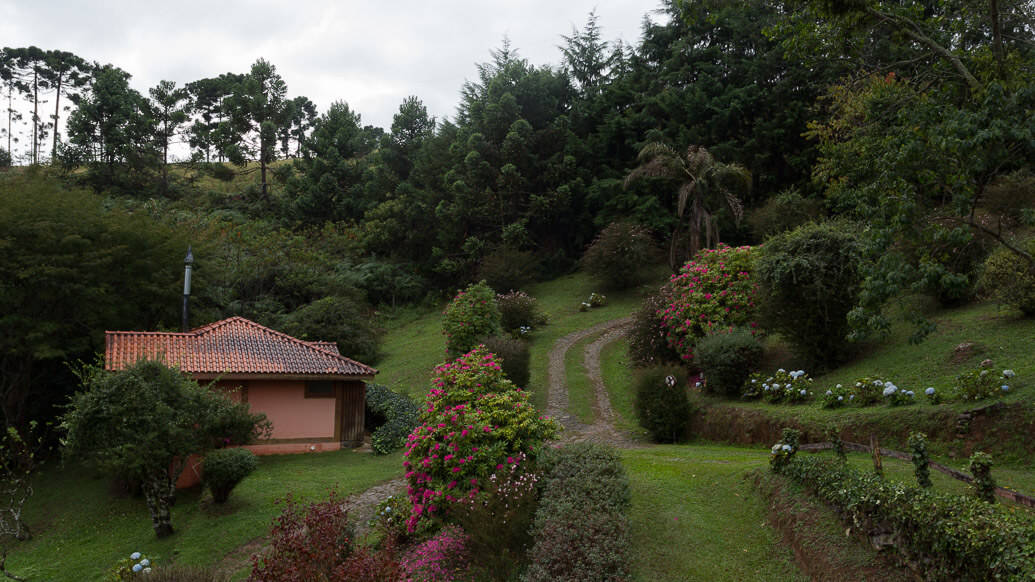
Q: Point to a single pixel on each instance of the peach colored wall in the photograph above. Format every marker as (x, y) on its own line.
(293, 415)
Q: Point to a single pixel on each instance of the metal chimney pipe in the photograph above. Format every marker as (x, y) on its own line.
(187, 262)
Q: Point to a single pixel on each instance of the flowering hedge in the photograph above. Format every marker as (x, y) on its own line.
(471, 315)
(473, 421)
(714, 291)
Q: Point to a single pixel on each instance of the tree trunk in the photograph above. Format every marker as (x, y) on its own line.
(57, 113)
(158, 489)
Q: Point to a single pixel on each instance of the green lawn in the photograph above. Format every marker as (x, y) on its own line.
(695, 517)
(81, 529)
(581, 396)
(618, 380)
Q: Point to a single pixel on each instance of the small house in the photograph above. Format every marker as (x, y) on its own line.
(313, 395)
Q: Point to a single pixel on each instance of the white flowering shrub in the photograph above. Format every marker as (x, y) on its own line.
(135, 566)
(781, 386)
(896, 396)
(836, 397)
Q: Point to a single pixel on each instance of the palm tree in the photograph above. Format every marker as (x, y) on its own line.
(704, 184)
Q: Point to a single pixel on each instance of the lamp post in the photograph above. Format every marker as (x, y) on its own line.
(187, 262)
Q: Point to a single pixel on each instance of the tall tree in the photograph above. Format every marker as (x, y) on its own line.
(704, 186)
(257, 112)
(300, 116)
(170, 109)
(30, 80)
(210, 132)
(65, 73)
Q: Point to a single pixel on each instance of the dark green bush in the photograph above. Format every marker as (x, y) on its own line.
(621, 256)
(519, 312)
(390, 417)
(983, 486)
(471, 315)
(581, 530)
(785, 211)
(1008, 279)
(647, 343)
(953, 537)
(810, 280)
(726, 359)
(223, 469)
(508, 269)
(661, 403)
(513, 355)
(921, 460)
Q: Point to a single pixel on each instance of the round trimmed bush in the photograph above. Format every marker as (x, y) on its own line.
(621, 256)
(223, 469)
(726, 359)
(662, 405)
(1008, 278)
(390, 418)
(519, 311)
(470, 316)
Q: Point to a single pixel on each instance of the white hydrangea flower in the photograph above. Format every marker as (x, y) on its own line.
(929, 391)
(1009, 373)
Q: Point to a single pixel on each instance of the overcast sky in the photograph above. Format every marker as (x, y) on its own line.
(370, 54)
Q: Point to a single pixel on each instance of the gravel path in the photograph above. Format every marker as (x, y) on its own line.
(603, 429)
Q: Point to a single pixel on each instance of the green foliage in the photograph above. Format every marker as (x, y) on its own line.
(784, 451)
(145, 421)
(5, 158)
(22, 452)
(622, 255)
(647, 343)
(983, 486)
(662, 405)
(223, 469)
(134, 567)
(713, 292)
(508, 268)
(471, 315)
(921, 460)
(581, 530)
(785, 211)
(982, 383)
(1009, 278)
(473, 421)
(391, 418)
(339, 319)
(390, 518)
(520, 313)
(726, 359)
(513, 356)
(309, 542)
(809, 280)
(955, 537)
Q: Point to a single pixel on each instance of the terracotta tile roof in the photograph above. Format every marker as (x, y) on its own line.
(231, 346)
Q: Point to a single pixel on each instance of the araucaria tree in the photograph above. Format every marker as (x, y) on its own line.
(144, 422)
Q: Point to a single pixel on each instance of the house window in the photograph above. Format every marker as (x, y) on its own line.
(319, 389)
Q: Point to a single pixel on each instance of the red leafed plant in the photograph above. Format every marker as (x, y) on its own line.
(307, 543)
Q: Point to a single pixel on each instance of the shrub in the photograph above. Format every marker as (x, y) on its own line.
(508, 269)
(785, 211)
(513, 355)
(835, 397)
(647, 343)
(726, 359)
(921, 460)
(581, 529)
(443, 558)
(810, 280)
(895, 396)
(868, 391)
(391, 418)
(472, 314)
(780, 386)
(713, 292)
(983, 486)
(519, 311)
(472, 422)
(223, 469)
(783, 452)
(306, 543)
(982, 383)
(390, 518)
(621, 256)
(135, 566)
(662, 406)
(954, 537)
(339, 319)
(1007, 278)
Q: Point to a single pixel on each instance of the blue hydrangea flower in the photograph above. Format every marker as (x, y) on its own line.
(1005, 388)
(145, 562)
(137, 567)
(786, 447)
(929, 391)
(840, 398)
(830, 392)
(134, 556)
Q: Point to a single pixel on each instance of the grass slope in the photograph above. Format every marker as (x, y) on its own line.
(81, 530)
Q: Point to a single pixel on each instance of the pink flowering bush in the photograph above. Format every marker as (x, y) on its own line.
(473, 422)
(443, 558)
(471, 315)
(713, 292)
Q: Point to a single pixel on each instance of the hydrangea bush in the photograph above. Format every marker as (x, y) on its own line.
(983, 383)
(714, 291)
(780, 387)
(473, 421)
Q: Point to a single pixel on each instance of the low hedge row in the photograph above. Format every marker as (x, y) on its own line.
(391, 416)
(942, 536)
(581, 529)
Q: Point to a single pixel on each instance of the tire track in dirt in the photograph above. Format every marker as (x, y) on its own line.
(603, 429)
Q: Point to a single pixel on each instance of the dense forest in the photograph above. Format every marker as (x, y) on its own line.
(915, 118)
